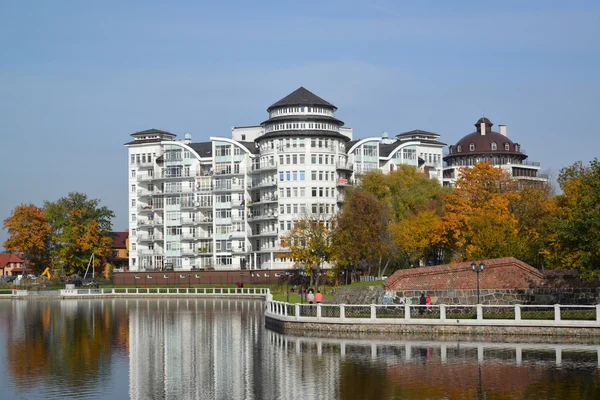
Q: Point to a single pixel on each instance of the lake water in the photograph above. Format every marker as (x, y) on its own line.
(220, 349)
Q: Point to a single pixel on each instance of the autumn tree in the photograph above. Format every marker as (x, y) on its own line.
(414, 237)
(361, 232)
(79, 227)
(309, 242)
(534, 208)
(406, 189)
(29, 233)
(478, 222)
(577, 219)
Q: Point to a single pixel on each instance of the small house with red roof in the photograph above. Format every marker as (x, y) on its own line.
(11, 264)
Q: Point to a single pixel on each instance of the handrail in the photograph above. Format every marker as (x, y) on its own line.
(155, 291)
(481, 315)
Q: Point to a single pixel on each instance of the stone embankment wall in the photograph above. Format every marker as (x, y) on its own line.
(535, 296)
(421, 329)
(360, 295)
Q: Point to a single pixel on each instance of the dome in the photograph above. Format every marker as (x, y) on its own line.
(487, 143)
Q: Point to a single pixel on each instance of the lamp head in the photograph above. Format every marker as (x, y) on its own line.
(481, 265)
(474, 266)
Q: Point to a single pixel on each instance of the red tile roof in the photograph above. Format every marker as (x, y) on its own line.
(119, 240)
(6, 258)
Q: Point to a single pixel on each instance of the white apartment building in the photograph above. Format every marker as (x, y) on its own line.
(225, 204)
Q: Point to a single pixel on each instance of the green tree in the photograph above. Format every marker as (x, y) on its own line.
(361, 232)
(79, 227)
(30, 234)
(577, 219)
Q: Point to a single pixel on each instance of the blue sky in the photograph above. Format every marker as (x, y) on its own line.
(77, 77)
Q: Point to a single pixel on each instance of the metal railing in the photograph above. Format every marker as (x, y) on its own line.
(157, 291)
(481, 315)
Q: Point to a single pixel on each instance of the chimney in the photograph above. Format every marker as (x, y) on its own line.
(502, 129)
(482, 128)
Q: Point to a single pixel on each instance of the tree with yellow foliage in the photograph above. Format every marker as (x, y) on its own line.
(478, 222)
(29, 234)
(309, 242)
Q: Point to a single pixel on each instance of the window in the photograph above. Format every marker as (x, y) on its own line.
(506, 147)
(133, 173)
(287, 175)
(494, 146)
(132, 188)
(314, 192)
(313, 175)
(301, 175)
(459, 148)
(472, 147)
(132, 202)
(281, 176)
(133, 217)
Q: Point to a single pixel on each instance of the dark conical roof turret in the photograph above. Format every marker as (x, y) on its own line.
(301, 97)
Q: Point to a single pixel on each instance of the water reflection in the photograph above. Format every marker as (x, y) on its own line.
(433, 369)
(204, 348)
(62, 344)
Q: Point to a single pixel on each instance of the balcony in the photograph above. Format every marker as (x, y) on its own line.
(237, 234)
(144, 177)
(264, 233)
(264, 167)
(265, 200)
(205, 220)
(344, 182)
(237, 218)
(263, 217)
(239, 250)
(145, 208)
(264, 184)
(188, 221)
(188, 252)
(344, 166)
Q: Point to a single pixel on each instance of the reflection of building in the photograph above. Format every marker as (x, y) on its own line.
(196, 349)
(495, 148)
(225, 204)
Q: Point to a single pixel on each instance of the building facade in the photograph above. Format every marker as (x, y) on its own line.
(495, 148)
(226, 203)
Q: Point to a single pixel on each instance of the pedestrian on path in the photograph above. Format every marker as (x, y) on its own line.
(318, 297)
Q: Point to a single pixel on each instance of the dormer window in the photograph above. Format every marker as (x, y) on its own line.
(507, 147)
(494, 146)
(517, 148)
(472, 147)
(459, 149)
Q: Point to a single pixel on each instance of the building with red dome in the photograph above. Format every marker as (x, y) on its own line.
(494, 147)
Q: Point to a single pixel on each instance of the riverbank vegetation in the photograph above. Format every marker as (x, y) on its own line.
(61, 234)
(404, 219)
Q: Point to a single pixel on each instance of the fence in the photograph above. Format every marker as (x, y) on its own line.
(482, 315)
(155, 291)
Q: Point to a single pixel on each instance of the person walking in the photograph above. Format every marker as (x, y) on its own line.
(422, 303)
(318, 297)
(310, 296)
(428, 303)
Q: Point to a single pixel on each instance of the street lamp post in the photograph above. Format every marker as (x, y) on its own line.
(477, 269)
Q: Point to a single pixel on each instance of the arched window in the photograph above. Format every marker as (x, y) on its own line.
(506, 147)
(472, 147)
(494, 146)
